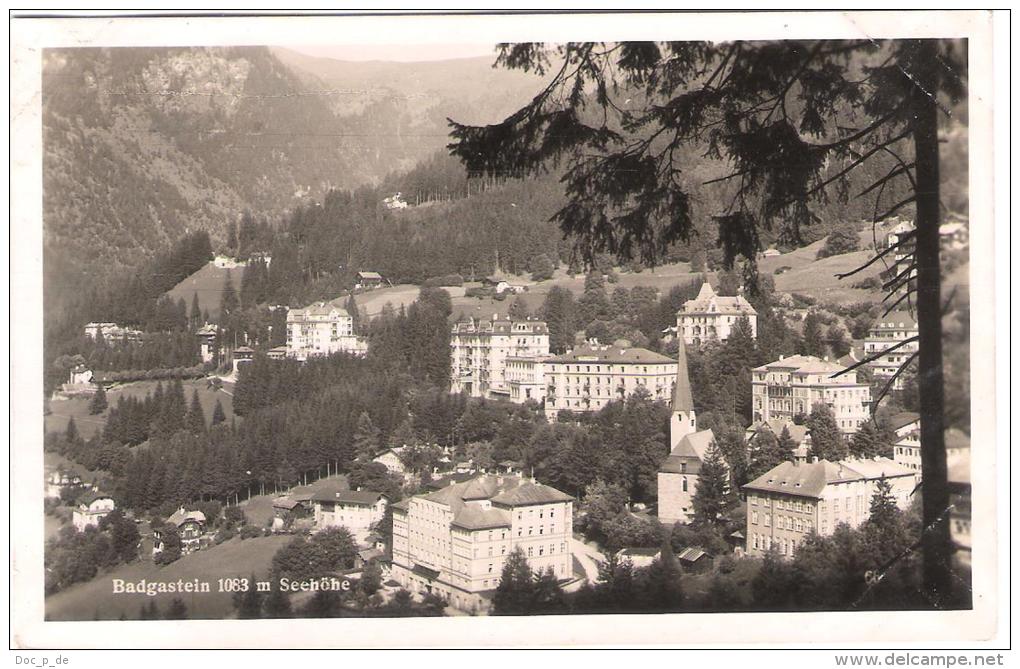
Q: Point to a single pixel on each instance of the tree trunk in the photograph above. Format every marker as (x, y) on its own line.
(936, 545)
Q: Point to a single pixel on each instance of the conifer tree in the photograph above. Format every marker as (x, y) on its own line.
(827, 442)
(515, 594)
(814, 343)
(196, 312)
(228, 299)
(559, 311)
(97, 404)
(366, 438)
(195, 418)
(277, 602)
(352, 309)
(249, 603)
(218, 415)
(178, 610)
(71, 432)
(713, 496)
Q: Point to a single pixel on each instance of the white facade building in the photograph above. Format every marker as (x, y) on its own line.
(480, 351)
(712, 317)
(886, 332)
(593, 375)
(793, 385)
(322, 329)
(91, 510)
(453, 542)
(357, 510)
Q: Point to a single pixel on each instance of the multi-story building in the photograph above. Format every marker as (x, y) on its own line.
(453, 542)
(526, 378)
(887, 332)
(207, 335)
(793, 385)
(480, 351)
(711, 317)
(678, 475)
(793, 499)
(320, 329)
(593, 375)
(906, 427)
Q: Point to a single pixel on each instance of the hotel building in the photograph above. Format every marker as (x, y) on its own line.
(712, 317)
(793, 385)
(482, 353)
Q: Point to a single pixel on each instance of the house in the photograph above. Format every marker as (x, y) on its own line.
(367, 555)
(693, 560)
(678, 474)
(207, 336)
(320, 329)
(226, 262)
(190, 527)
(592, 375)
(111, 332)
(357, 510)
(793, 499)
(792, 385)
(277, 353)
(390, 458)
(483, 353)
(80, 383)
(892, 330)
(395, 201)
(368, 281)
(91, 509)
(243, 355)
(285, 508)
(711, 317)
(453, 542)
(798, 433)
(771, 252)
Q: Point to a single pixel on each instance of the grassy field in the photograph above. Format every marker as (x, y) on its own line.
(208, 284)
(63, 410)
(232, 559)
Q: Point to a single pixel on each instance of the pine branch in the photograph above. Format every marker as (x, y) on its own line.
(875, 356)
(903, 239)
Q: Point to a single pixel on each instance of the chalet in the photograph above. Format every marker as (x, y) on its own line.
(91, 509)
(369, 280)
(207, 335)
(190, 527)
(390, 458)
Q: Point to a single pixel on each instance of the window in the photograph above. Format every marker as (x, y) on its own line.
(754, 517)
(490, 567)
(530, 551)
(541, 550)
(541, 529)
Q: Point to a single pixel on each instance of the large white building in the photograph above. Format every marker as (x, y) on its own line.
(322, 329)
(480, 351)
(886, 332)
(90, 510)
(678, 475)
(453, 542)
(711, 317)
(793, 385)
(794, 499)
(593, 375)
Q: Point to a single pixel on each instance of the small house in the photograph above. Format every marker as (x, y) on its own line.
(357, 510)
(639, 557)
(390, 458)
(368, 280)
(190, 527)
(694, 560)
(91, 509)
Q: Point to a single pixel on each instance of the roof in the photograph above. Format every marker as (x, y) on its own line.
(529, 493)
(638, 552)
(422, 570)
(690, 451)
(804, 364)
(709, 302)
(401, 505)
(903, 419)
(473, 517)
(683, 400)
(449, 479)
(499, 326)
(897, 320)
(317, 309)
(807, 479)
(370, 275)
(360, 497)
(810, 479)
(90, 497)
(958, 468)
(285, 502)
(691, 554)
(180, 516)
(612, 354)
(369, 554)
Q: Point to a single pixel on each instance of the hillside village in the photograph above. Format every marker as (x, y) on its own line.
(418, 389)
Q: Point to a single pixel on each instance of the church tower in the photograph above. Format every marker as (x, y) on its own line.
(683, 421)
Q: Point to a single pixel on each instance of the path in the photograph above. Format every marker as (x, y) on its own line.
(589, 558)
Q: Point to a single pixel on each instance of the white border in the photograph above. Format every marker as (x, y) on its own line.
(850, 630)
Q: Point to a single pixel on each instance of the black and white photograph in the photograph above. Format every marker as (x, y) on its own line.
(634, 329)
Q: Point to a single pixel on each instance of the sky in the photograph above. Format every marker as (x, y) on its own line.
(396, 52)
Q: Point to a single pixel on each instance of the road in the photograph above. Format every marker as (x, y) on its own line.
(589, 557)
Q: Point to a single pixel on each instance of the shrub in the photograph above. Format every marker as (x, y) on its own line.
(250, 532)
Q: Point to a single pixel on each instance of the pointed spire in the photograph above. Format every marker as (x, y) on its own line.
(682, 398)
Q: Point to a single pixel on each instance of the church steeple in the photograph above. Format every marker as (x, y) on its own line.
(683, 421)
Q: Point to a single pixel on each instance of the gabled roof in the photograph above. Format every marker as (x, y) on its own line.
(285, 502)
(708, 301)
(797, 432)
(903, 419)
(956, 439)
(896, 320)
(958, 469)
(876, 468)
(370, 275)
(180, 516)
(691, 554)
(90, 497)
(688, 454)
(803, 364)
